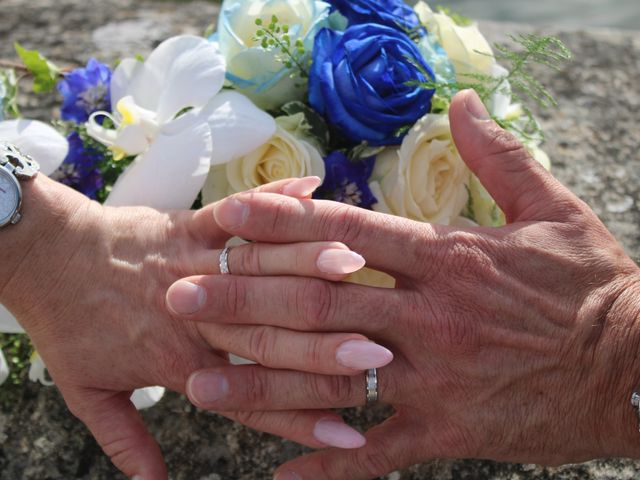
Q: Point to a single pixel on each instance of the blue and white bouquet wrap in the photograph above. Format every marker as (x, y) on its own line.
(355, 92)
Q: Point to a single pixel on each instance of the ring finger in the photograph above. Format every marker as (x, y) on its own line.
(326, 260)
(253, 387)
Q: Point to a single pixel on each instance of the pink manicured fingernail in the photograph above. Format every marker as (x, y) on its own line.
(232, 213)
(338, 434)
(363, 355)
(475, 106)
(287, 476)
(186, 298)
(340, 262)
(303, 187)
(207, 387)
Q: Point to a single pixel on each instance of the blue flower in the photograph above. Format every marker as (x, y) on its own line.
(79, 170)
(85, 91)
(392, 13)
(348, 181)
(361, 81)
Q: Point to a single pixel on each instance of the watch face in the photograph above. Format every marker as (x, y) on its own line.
(9, 196)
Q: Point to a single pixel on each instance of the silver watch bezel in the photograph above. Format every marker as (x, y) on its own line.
(15, 217)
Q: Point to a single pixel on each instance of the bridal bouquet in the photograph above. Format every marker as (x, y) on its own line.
(355, 92)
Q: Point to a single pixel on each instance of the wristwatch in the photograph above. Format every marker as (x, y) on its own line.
(14, 166)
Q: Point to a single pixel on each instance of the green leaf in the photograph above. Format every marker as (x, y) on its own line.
(364, 151)
(45, 74)
(9, 104)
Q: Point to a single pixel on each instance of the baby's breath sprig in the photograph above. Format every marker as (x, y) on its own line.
(520, 81)
(276, 36)
(537, 50)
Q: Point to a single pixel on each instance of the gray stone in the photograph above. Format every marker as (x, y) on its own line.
(593, 139)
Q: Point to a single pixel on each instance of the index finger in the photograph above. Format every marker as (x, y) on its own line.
(391, 244)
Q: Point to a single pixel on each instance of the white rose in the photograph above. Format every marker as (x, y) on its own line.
(425, 179)
(258, 73)
(283, 156)
(467, 48)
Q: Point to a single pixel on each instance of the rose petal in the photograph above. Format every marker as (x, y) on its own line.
(39, 140)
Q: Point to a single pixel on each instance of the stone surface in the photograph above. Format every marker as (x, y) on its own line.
(593, 139)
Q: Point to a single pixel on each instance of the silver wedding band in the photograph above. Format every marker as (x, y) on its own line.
(224, 261)
(371, 378)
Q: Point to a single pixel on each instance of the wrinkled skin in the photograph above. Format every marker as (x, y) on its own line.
(513, 344)
(88, 284)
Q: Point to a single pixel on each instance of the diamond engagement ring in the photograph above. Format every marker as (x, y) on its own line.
(224, 261)
(371, 377)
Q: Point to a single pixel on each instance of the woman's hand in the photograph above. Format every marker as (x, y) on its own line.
(514, 344)
(88, 284)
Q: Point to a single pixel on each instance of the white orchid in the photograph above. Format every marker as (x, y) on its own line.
(172, 115)
(38, 140)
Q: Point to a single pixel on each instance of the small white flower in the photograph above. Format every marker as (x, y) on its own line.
(38, 371)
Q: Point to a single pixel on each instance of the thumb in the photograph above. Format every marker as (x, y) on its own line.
(523, 189)
(118, 428)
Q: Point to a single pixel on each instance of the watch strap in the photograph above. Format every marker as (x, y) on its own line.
(22, 166)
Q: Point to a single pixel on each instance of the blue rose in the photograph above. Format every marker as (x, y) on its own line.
(361, 82)
(392, 13)
(348, 181)
(85, 91)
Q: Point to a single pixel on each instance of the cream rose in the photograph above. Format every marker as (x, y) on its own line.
(284, 156)
(425, 179)
(467, 48)
(254, 71)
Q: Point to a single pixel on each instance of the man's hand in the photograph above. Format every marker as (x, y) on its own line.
(89, 284)
(514, 344)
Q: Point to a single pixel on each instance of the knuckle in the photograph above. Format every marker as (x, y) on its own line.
(468, 255)
(315, 304)
(279, 215)
(262, 345)
(503, 142)
(250, 418)
(332, 390)
(251, 261)
(344, 224)
(235, 297)
(315, 353)
(256, 389)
